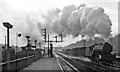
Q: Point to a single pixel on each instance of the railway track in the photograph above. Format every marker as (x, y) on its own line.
(83, 66)
(64, 65)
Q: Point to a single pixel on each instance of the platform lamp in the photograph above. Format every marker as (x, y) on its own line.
(8, 26)
(28, 37)
(28, 45)
(17, 35)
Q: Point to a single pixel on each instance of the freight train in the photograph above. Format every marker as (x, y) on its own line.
(99, 53)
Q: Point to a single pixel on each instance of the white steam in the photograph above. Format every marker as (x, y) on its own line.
(81, 20)
(72, 20)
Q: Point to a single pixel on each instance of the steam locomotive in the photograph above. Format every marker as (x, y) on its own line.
(102, 54)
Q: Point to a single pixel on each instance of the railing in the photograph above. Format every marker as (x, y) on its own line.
(20, 63)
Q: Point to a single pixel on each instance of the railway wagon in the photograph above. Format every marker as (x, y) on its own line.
(88, 52)
(79, 51)
(68, 51)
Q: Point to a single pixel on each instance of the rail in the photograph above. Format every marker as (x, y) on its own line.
(91, 66)
(61, 67)
(70, 65)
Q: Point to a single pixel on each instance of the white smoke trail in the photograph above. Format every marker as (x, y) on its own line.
(82, 20)
(97, 23)
(72, 20)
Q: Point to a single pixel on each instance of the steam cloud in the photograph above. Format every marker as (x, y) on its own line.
(27, 26)
(72, 20)
(83, 20)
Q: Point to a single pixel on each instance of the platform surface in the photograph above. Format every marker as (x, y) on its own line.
(44, 64)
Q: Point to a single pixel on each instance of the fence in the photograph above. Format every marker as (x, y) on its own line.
(20, 63)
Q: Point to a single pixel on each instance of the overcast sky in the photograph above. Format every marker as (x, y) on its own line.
(12, 9)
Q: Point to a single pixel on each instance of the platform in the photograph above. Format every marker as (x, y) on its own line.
(44, 64)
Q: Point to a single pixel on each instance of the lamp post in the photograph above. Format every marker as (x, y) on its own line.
(8, 26)
(27, 48)
(28, 37)
(17, 35)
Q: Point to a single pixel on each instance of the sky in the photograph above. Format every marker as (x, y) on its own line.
(15, 11)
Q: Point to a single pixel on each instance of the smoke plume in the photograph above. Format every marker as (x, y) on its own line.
(83, 20)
